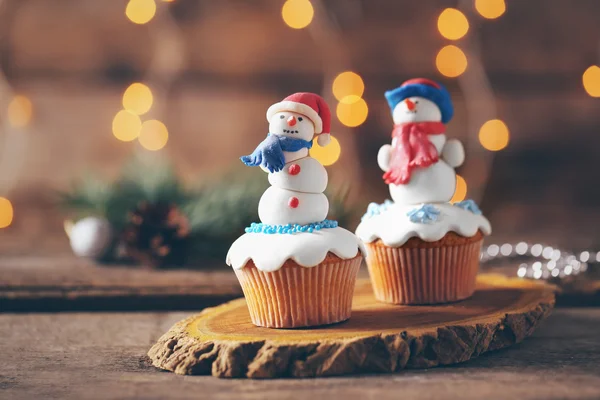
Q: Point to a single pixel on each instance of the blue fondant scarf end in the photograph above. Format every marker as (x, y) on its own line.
(269, 153)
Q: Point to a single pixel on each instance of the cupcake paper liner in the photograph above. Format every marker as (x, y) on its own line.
(296, 296)
(423, 275)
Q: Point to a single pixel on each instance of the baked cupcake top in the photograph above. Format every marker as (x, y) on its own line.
(394, 224)
(293, 211)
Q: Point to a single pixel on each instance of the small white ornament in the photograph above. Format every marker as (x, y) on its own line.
(90, 237)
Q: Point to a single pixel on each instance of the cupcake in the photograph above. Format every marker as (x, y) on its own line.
(296, 267)
(422, 249)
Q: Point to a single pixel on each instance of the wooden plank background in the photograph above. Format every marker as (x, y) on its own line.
(73, 59)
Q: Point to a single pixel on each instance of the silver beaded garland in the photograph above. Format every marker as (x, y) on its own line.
(546, 262)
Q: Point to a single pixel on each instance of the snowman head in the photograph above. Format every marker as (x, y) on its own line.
(420, 100)
(416, 109)
(301, 116)
(292, 124)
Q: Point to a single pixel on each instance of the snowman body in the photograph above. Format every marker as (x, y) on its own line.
(296, 192)
(437, 182)
(434, 184)
(279, 206)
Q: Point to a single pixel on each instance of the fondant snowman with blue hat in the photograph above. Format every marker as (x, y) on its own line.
(419, 164)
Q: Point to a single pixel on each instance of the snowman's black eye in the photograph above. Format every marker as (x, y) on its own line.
(417, 102)
(300, 118)
(281, 116)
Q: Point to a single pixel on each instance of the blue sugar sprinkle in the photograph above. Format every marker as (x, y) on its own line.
(257, 227)
(425, 214)
(374, 209)
(469, 205)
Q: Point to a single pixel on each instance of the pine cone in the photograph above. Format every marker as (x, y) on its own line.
(156, 235)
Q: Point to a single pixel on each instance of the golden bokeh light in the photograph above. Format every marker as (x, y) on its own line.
(153, 135)
(591, 81)
(19, 111)
(137, 98)
(348, 84)
(461, 190)
(126, 126)
(140, 11)
(490, 9)
(6, 212)
(297, 14)
(452, 24)
(352, 111)
(327, 155)
(451, 61)
(494, 135)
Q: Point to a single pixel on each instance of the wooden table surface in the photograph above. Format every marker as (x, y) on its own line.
(103, 355)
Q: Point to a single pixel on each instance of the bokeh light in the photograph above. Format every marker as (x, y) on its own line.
(137, 98)
(327, 155)
(490, 9)
(451, 61)
(126, 126)
(140, 11)
(494, 135)
(153, 135)
(452, 24)
(591, 81)
(352, 111)
(297, 14)
(461, 190)
(19, 111)
(348, 84)
(6, 212)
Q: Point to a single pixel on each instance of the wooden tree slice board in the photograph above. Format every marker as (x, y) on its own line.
(377, 338)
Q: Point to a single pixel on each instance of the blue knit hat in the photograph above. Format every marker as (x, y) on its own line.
(427, 89)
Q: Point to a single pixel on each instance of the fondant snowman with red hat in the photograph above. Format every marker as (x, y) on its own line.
(298, 181)
(293, 211)
(419, 164)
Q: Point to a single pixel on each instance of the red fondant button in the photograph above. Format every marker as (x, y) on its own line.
(294, 169)
(293, 202)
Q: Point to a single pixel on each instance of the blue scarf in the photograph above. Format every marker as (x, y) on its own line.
(269, 153)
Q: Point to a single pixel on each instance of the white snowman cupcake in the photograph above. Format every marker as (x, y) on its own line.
(296, 267)
(421, 249)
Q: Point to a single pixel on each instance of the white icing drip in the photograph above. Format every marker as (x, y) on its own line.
(270, 252)
(394, 227)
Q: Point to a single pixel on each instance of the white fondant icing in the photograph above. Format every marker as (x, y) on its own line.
(434, 184)
(394, 227)
(312, 177)
(424, 110)
(273, 208)
(269, 252)
(453, 153)
(383, 157)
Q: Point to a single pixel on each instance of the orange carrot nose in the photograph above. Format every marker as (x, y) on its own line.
(291, 121)
(409, 104)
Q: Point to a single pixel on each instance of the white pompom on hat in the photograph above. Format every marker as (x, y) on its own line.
(310, 105)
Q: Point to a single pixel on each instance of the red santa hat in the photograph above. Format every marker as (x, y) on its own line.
(310, 105)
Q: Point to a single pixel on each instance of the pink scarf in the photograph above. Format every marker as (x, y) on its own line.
(412, 149)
